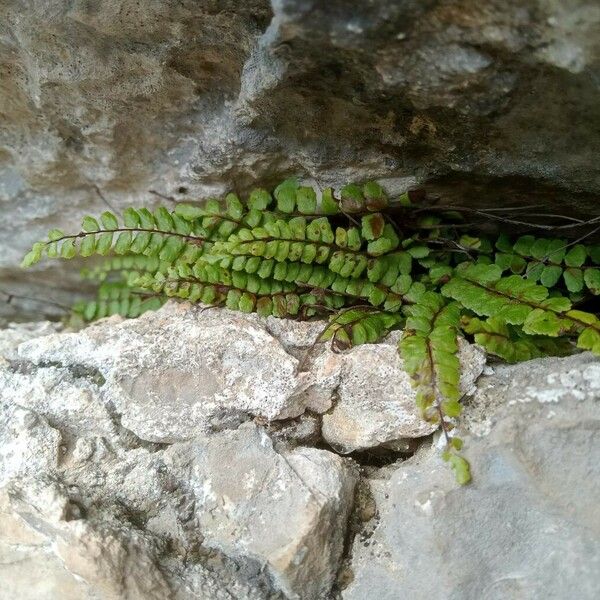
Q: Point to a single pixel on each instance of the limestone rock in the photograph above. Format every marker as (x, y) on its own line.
(171, 374)
(28, 445)
(527, 527)
(99, 511)
(97, 559)
(229, 509)
(61, 394)
(285, 510)
(16, 333)
(184, 371)
(225, 516)
(375, 404)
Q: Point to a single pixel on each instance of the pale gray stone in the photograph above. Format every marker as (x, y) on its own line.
(15, 333)
(94, 560)
(527, 527)
(28, 445)
(238, 506)
(59, 396)
(284, 509)
(116, 513)
(125, 524)
(375, 403)
(184, 371)
(169, 375)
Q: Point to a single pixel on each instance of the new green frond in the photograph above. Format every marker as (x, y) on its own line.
(360, 325)
(117, 298)
(511, 344)
(429, 349)
(552, 262)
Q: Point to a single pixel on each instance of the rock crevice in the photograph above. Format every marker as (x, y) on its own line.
(100, 104)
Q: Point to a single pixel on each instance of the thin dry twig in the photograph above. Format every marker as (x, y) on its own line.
(9, 297)
(103, 197)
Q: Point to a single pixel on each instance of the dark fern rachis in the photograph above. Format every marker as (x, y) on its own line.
(367, 264)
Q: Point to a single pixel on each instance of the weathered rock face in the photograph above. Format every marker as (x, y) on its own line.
(113, 489)
(486, 102)
(527, 527)
(285, 510)
(183, 371)
(375, 403)
(106, 513)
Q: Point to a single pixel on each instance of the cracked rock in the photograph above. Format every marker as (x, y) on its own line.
(375, 402)
(16, 333)
(237, 506)
(28, 445)
(183, 371)
(286, 510)
(172, 374)
(225, 515)
(85, 559)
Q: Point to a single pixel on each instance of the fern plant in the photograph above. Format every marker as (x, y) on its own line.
(367, 264)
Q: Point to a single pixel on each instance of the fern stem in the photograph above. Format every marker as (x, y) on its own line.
(191, 238)
(494, 217)
(332, 246)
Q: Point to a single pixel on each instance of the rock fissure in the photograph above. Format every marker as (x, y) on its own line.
(193, 102)
(25, 367)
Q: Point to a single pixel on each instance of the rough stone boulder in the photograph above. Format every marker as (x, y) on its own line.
(125, 526)
(88, 509)
(285, 510)
(184, 370)
(529, 524)
(232, 503)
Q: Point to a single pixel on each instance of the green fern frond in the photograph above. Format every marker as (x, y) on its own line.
(511, 344)
(117, 298)
(161, 234)
(429, 349)
(519, 301)
(359, 325)
(552, 261)
(124, 265)
(369, 264)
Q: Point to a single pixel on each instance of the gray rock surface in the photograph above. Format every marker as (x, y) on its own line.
(253, 508)
(102, 102)
(97, 560)
(125, 524)
(285, 510)
(529, 524)
(184, 371)
(97, 512)
(374, 404)
(16, 333)
(175, 456)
